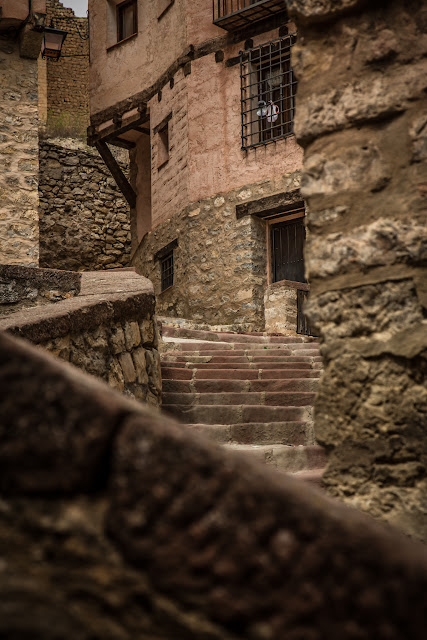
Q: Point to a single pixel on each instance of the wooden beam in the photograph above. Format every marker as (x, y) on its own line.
(118, 175)
(124, 144)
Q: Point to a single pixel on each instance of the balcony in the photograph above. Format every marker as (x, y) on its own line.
(237, 14)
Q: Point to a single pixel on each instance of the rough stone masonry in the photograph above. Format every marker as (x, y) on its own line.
(362, 118)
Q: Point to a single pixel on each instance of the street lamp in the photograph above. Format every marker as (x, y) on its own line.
(52, 43)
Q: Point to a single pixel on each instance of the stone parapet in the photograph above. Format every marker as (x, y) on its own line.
(109, 331)
(22, 287)
(120, 523)
(361, 116)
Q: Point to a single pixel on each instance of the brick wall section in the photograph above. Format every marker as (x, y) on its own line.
(362, 118)
(109, 331)
(119, 523)
(68, 79)
(84, 219)
(220, 262)
(19, 162)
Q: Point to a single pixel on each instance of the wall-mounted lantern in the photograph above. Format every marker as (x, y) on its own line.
(52, 43)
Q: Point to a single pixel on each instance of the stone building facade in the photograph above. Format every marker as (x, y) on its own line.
(214, 183)
(64, 85)
(20, 41)
(362, 120)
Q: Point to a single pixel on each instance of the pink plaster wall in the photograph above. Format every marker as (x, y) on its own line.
(124, 70)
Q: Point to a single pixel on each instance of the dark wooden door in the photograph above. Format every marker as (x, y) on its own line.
(287, 250)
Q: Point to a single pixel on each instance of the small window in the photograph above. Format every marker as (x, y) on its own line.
(268, 89)
(163, 145)
(167, 272)
(127, 22)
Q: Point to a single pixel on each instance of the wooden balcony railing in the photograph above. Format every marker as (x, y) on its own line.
(236, 14)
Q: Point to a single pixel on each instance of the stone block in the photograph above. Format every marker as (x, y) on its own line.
(132, 335)
(126, 363)
(139, 360)
(117, 340)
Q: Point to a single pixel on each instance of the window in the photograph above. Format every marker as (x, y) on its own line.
(166, 266)
(268, 90)
(127, 23)
(163, 146)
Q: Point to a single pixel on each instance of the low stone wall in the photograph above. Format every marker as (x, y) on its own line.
(109, 331)
(361, 114)
(84, 219)
(22, 287)
(119, 523)
(220, 261)
(281, 308)
(19, 164)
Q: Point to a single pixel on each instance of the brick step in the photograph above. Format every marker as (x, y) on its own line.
(236, 414)
(223, 336)
(285, 458)
(237, 365)
(290, 433)
(177, 373)
(221, 348)
(236, 386)
(259, 398)
(175, 356)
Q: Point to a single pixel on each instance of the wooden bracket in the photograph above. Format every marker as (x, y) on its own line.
(118, 175)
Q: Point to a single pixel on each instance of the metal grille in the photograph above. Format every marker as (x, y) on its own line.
(268, 89)
(167, 271)
(236, 14)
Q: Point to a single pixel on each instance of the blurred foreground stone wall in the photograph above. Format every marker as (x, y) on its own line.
(361, 116)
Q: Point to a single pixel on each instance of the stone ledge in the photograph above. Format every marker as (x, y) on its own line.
(104, 297)
(183, 516)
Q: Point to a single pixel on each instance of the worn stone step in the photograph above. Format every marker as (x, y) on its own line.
(239, 365)
(176, 356)
(215, 386)
(282, 351)
(236, 414)
(285, 458)
(260, 398)
(290, 433)
(250, 374)
(223, 336)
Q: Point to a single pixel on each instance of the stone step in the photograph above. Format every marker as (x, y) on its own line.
(222, 336)
(289, 433)
(236, 414)
(259, 398)
(175, 356)
(238, 365)
(236, 386)
(285, 458)
(219, 348)
(178, 373)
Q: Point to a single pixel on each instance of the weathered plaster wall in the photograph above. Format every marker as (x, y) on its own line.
(19, 162)
(68, 79)
(109, 331)
(361, 116)
(220, 262)
(84, 219)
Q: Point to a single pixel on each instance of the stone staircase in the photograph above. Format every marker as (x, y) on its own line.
(248, 392)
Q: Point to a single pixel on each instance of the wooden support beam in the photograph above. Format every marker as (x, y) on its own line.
(118, 175)
(124, 144)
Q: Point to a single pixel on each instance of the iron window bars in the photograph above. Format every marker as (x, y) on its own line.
(167, 271)
(268, 89)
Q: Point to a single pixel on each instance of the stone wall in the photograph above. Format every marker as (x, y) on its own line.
(22, 287)
(281, 306)
(68, 79)
(220, 261)
(19, 164)
(119, 523)
(84, 219)
(361, 116)
(109, 331)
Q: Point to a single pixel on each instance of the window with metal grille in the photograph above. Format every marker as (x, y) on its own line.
(268, 89)
(166, 267)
